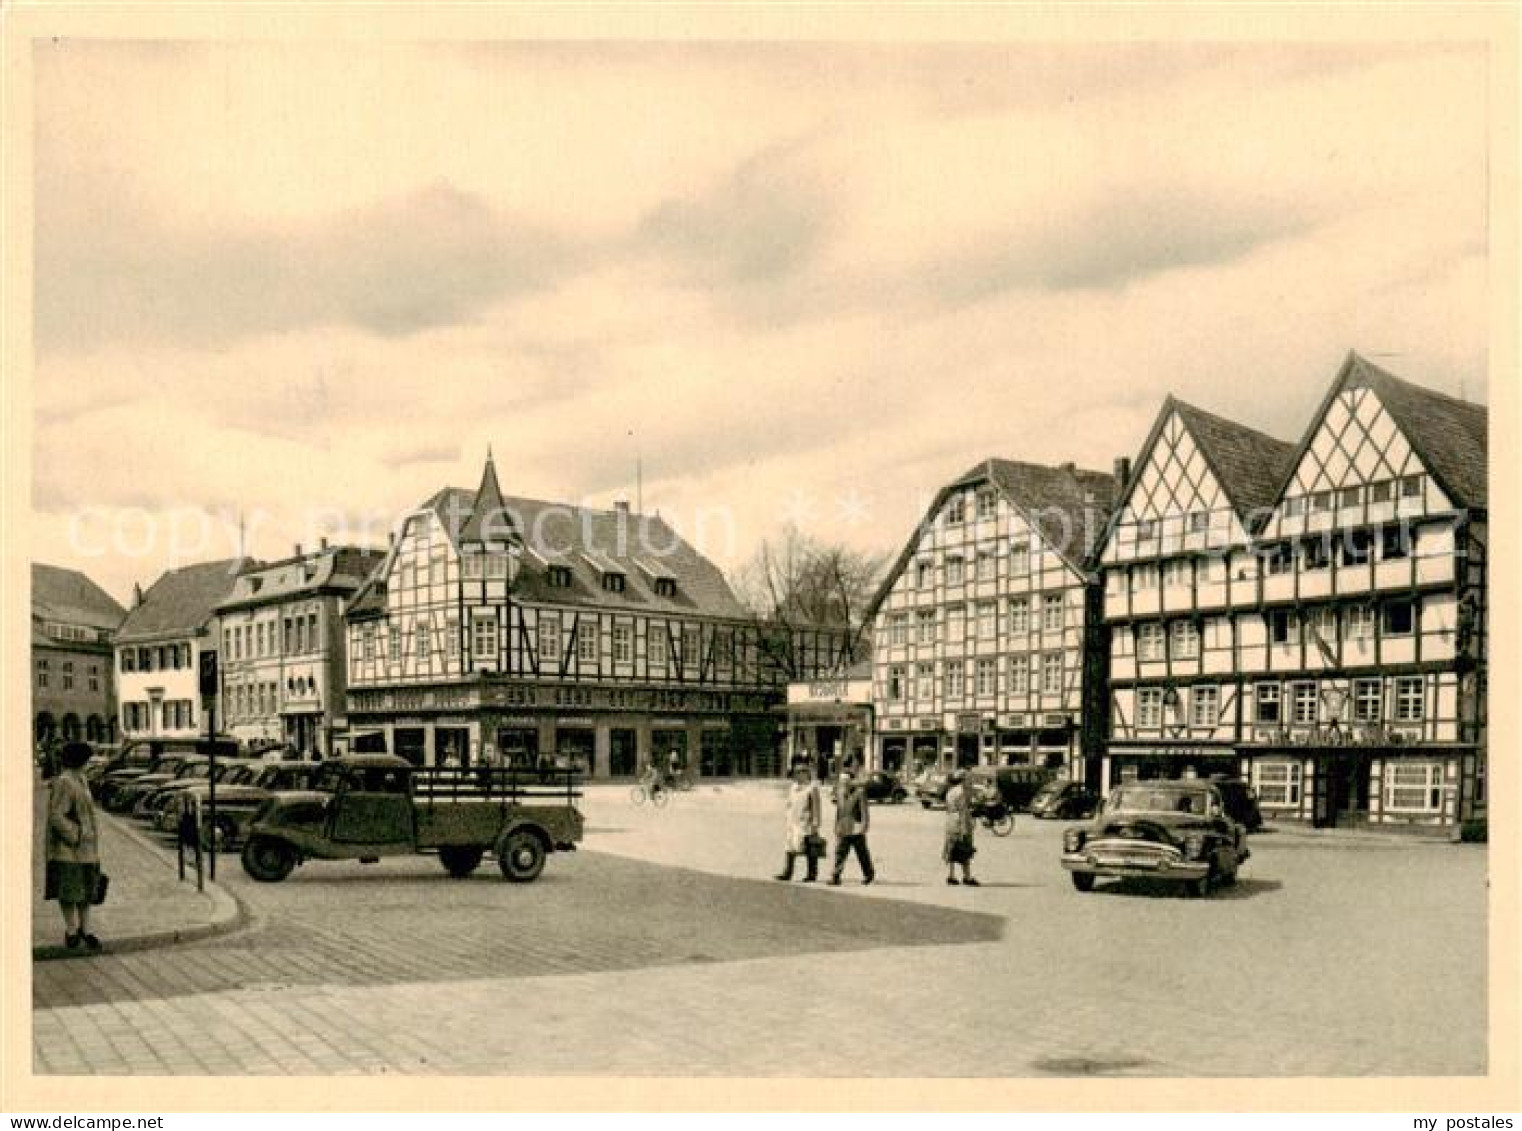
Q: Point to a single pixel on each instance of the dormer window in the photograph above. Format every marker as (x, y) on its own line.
(613, 582)
(560, 577)
(665, 587)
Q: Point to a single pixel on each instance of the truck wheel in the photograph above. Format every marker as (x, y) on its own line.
(520, 855)
(268, 860)
(460, 862)
(1083, 881)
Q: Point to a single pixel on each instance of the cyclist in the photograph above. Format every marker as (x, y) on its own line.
(652, 779)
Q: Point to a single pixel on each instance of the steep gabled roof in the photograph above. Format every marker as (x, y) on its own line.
(336, 569)
(1249, 465)
(181, 601)
(70, 597)
(1069, 508)
(1449, 436)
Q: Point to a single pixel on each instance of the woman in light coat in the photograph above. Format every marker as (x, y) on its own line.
(803, 816)
(960, 823)
(73, 847)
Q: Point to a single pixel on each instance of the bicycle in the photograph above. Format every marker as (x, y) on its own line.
(657, 795)
(995, 816)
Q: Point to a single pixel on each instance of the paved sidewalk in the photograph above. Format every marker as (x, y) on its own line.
(147, 905)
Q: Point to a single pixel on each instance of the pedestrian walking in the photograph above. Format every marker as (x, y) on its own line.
(73, 875)
(803, 817)
(958, 847)
(852, 819)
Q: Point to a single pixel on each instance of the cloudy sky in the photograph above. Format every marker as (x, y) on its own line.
(802, 283)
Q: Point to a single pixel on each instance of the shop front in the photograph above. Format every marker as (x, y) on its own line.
(1124, 763)
(829, 721)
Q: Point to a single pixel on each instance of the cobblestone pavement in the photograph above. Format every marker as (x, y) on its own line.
(665, 949)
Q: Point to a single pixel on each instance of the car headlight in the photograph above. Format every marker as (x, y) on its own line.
(1194, 846)
(1072, 840)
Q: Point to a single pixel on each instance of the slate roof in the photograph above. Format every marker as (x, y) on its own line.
(1448, 434)
(1069, 507)
(574, 537)
(340, 569)
(181, 601)
(1249, 465)
(70, 597)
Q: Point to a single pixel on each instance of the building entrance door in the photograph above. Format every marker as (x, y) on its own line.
(451, 746)
(967, 750)
(1340, 792)
(623, 752)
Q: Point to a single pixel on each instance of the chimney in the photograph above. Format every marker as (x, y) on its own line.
(1070, 468)
(298, 550)
(621, 506)
(137, 595)
(323, 542)
(1122, 470)
(391, 538)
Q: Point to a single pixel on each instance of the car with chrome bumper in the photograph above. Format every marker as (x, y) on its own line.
(1172, 831)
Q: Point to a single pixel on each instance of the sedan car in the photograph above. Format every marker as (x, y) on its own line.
(154, 806)
(930, 788)
(1064, 800)
(883, 786)
(237, 804)
(120, 795)
(1176, 831)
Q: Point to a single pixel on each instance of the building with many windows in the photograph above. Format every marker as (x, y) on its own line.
(512, 630)
(284, 667)
(73, 685)
(985, 641)
(1311, 616)
(159, 646)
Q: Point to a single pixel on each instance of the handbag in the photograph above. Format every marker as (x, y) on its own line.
(50, 881)
(102, 882)
(814, 845)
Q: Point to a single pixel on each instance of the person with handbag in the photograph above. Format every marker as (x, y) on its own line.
(958, 847)
(852, 818)
(73, 871)
(803, 818)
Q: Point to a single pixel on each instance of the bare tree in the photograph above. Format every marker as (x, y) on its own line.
(809, 601)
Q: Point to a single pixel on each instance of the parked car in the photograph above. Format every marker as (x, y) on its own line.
(931, 787)
(1177, 831)
(367, 806)
(123, 796)
(140, 756)
(883, 786)
(1241, 801)
(229, 773)
(238, 803)
(1066, 800)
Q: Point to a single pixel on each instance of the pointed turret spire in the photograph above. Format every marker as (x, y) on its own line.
(489, 517)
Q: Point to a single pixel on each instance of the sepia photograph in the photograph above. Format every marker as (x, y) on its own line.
(762, 552)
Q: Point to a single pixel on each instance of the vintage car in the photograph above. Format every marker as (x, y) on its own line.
(1241, 802)
(237, 802)
(141, 756)
(883, 786)
(153, 806)
(1176, 831)
(366, 806)
(122, 795)
(931, 786)
(1065, 800)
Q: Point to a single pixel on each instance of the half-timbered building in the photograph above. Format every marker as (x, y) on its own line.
(510, 630)
(1309, 616)
(986, 645)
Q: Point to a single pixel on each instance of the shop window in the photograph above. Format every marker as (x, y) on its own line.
(1413, 787)
(1277, 782)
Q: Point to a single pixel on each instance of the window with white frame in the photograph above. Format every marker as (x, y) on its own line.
(1409, 705)
(395, 650)
(1149, 707)
(1019, 559)
(623, 643)
(1186, 640)
(1358, 622)
(1204, 706)
(423, 643)
(898, 628)
(927, 626)
(987, 504)
(1176, 573)
(924, 575)
(1019, 616)
(924, 679)
(956, 570)
(1304, 702)
(1149, 641)
(42, 673)
(1019, 675)
(483, 636)
(896, 683)
(1278, 559)
(986, 674)
(1413, 787)
(1367, 700)
(1051, 673)
(1143, 577)
(94, 678)
(1053, 613)
(1266, 696)
(367, 642)
(549, 637)
(1277, 782)
(954, 679)
(956, 510)
(956, 624)
(984, 566)
(586, 640)
(987, 619)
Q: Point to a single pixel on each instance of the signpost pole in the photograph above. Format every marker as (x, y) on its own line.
(208, 683)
